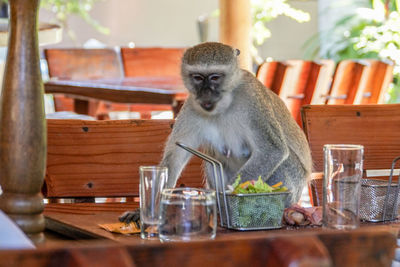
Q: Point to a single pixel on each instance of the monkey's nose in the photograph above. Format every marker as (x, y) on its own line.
(207, 105)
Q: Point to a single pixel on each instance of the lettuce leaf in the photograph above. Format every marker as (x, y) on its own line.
(259, 186)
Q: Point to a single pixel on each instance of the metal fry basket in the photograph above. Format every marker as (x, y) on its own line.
(380, 198)
(244, 211)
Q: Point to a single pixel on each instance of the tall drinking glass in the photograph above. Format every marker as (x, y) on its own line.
(343, 168)
(152, 181)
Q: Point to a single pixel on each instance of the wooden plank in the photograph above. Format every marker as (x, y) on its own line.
(376, 127)
(376, 84)
(272, 74)
(80, 63)
(324, 82)
(370, 246)
(152, 61)
(102, 158)
(348, 76)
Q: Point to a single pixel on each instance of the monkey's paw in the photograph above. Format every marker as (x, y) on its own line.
(130, 216)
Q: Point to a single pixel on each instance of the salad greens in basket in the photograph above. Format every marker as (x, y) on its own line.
(256, 186)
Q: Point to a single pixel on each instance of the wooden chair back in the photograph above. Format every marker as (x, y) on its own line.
(151, 61)
(376, 127)
(297, 82)
(83, 64)
(374, 87)
(349, 76)
(102, 158)
(272, 74)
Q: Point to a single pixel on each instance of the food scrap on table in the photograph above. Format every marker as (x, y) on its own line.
(300, 216)
(121, 228)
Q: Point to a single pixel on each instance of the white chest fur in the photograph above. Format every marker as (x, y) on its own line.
(229, 140)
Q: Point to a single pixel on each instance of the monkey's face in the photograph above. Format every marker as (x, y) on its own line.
(207, 89)
(210, 72)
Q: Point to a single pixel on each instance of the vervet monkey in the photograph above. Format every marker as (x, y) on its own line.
(238, 121)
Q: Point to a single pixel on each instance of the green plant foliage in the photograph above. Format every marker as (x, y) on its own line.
(264, 11)
(372, 32)
(63, 9)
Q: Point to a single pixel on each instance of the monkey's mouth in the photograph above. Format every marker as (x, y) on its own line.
(208, 106)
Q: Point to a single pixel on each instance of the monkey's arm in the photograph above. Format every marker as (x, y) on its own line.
(176, 158)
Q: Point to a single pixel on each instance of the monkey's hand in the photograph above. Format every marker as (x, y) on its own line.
(130, 216)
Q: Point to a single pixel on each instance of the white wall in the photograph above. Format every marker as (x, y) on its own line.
(173, 23)
(145, 22)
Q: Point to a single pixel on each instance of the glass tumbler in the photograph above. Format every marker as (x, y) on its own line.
(343, 169)
(187, 214)
(152, 182)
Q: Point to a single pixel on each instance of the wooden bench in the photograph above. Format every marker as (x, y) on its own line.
(102, 158)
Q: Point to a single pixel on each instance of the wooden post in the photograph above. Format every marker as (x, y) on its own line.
(22, 123)
(235, 25)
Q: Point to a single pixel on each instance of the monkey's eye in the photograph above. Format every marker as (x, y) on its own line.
(197, 77)
(214, 77)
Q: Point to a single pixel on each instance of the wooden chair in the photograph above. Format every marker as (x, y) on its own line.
(376, 127)
(87, 159)
(150, 62)
(360, 82)
(272, 74)
(348, 77)
(81, 64)
(297, 82)
(373, 89)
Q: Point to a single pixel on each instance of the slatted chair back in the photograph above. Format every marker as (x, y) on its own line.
(376, 127)
(102, 158)
(80, 63)
(272, 74)
(151, 61)
(349, 76)
(376, 84)
(297, 82)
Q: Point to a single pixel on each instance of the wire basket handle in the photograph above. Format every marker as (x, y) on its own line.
(218, 178)
(387, 192)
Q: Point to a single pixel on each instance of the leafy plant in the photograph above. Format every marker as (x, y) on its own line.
(264, 11)
(372, 32)
(63, 9)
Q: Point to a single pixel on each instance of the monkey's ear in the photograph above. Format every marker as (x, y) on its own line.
(237, 52)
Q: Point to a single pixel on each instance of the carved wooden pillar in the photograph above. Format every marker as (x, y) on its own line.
(22, 123)
(235, 25)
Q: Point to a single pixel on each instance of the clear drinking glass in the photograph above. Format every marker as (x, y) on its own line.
(188, 214)
(152, 181)
(343, 169)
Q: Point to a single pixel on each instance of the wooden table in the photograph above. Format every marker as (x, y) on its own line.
(371, 244)
(132, 90)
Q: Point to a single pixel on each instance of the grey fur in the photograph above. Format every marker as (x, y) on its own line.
(250, 130)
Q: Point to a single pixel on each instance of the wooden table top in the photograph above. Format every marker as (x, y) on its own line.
(152, 90)
(80, 220)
